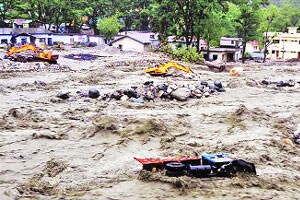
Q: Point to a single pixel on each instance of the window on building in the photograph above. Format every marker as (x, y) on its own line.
(232, 42)
(275, 41)
(121, 46)
(42, 40)
(215, 57)
(293, 52)
(4, 41)
(273, 52)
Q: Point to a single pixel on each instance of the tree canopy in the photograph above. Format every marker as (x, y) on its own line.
(206, 19)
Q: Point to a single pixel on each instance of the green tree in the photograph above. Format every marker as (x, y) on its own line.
(268, 15)
(109, 27)
(247, 24)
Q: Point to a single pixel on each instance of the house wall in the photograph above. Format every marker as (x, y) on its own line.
(5, 38)
(219, 55)
(230, 42)
(224, 56)
(285, 47)
(98, 39)
(45, 38)
(250, 48)
(129, 44)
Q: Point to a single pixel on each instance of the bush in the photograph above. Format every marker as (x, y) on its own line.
(187, 55)
(167, 49)
(183, 54)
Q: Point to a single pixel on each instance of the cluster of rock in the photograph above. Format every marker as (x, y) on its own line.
(11, 66)
(289, 83)
(149, 92)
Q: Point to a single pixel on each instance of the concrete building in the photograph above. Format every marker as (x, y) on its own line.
(230, 50)
(51, 38)
(138, 41)
(252, 47)
(284, 45)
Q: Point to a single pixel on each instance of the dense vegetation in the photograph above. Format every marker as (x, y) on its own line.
(206, 19)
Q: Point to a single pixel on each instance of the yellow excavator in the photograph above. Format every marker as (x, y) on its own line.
(163, 69)
(29, 52)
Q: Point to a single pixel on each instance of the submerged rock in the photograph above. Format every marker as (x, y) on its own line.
(94, 94)
(181, 94)
(63, 95)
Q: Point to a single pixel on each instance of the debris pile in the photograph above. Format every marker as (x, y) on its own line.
(84, 57)
(209, 165)
(10, 66)
(150, 92)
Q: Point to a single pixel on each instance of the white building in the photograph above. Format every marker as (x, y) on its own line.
(229, 51)
(138, 41)
(252, 46)
(52, 38)
(284, 45)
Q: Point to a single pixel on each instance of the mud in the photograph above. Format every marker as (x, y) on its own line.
(83, 148)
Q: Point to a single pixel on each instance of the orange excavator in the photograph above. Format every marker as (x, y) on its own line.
(163, 69)
(29, 52)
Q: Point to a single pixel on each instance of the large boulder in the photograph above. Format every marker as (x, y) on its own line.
(181, 94)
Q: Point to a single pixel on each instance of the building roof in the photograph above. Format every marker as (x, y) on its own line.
(230, 38)
(22, 21)
(126, 36)
(144, 37)
(253, 42)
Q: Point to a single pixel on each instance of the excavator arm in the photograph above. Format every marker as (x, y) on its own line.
(163, 69)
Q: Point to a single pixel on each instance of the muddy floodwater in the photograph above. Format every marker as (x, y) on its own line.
(84, 148)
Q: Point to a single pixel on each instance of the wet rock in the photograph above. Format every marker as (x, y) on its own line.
(131, 92)
(204, 83)
(63, 95)
(206, 89)
(116, 95)
(197, 93)
(82, 94)
(265, 82)
(94, 94)
(137, 100)
(206, 94)
(160, 93)
(220, 89)
(148, 83)
(124, 98)
(162, 87)
(181, 94)
(40, 83)
(212, 88)
(218, 84)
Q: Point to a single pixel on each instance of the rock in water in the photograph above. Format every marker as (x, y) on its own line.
(181, 94)
(206, 94)
(63, 95)
(94, 94)
(218, 84)
(124, 98)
